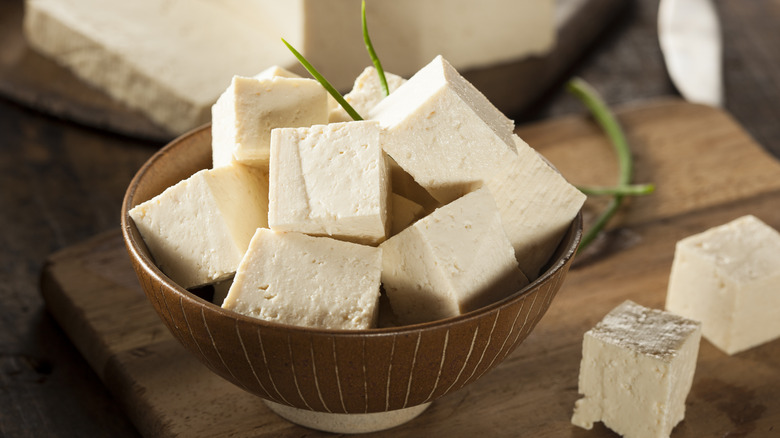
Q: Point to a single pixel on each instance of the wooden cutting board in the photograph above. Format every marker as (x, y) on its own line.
(708, 171)
(40, 83)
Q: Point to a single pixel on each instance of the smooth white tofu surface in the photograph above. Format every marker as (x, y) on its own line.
(728, 277)
(636, 371)
(329, 180)
(366, 93)
(454, 260)
(170, 59)
(292, 278)
(443, 131)
(245, 114)
(536, 203)
(198, 230)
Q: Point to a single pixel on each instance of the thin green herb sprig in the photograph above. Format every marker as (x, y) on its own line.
(372, 53)
(604, 117)
(324, 82)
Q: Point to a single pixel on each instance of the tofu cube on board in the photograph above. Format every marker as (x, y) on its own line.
(443, 131)
(636, 371)
(292, 278)
(454, 260)
(728, 277)
(245, 114)
(199, 229)
(330, 180)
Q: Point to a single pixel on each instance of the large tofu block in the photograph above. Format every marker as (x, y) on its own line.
(455, 260)
(636, 371)
(366, 93)
(536, 203)
(168, 59)
(199, 229)
(245, 114)
(330, 180)
(292, 278)
(443, 131)
(728, 277)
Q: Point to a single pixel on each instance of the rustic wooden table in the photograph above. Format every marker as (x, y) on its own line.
(63, 183)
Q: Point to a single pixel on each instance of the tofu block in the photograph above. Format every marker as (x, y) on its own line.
(404, 185)
(728, 277)
(443, 131)
(275, 71)
(366, 93)
(169, 59)
(403, 213)
(198, 230)
(292, 278)
(455, 260)
(536, 203)
(636, 371)
(329, 180)
(245, 114)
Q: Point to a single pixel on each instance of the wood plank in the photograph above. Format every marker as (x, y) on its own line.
(36, 81)
(91, 291)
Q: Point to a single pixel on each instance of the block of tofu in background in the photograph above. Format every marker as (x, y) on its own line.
(245, 114)
(636, 371)
(443, 131)
(402, 213)
(168, 59)
(404, 185)
(292, 278)
(275, 71)
(365, 94)
(199, 229)
(455, 260)
(536, 203)
(728, 277)
(329, 180)
(171, 59)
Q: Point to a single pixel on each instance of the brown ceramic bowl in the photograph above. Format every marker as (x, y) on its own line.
(332, 371)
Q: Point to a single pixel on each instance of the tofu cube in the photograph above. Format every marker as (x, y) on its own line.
(329, 180)
(636, 371)
(728, 277)
(455, 260)
(536, 204)
(402, 213)
(366, 93)
(275, 71)
(198, 230)
(245, 114)
(443, 131)
(292, 278)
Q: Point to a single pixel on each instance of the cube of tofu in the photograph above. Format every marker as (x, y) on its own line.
(636, 371)
(536, 203)
(402, 213)
(245, 114)
(454, 260)
(404, 185)
(443, 131)
(329, 180)
(292, 278)
(727, 277)
(366, 93)
(275, 71)
(199, 229)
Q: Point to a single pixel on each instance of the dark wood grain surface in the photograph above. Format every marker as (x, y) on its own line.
(61, 183)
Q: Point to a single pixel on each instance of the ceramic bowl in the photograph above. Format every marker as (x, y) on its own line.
(342, 381)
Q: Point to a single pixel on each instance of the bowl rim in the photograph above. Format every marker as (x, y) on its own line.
(571, 240)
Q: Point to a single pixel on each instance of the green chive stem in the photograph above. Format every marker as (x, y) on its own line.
(325, 84)
(604, 117)
(628, 190)
(372, 53)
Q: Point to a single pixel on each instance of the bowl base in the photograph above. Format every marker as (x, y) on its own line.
(346, 423)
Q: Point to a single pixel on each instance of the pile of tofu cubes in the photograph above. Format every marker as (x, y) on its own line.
(432, 198)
